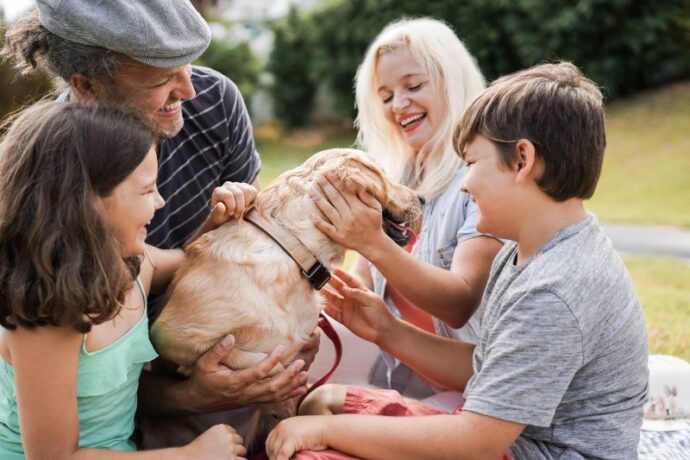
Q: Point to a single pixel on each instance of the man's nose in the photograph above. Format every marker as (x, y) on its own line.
(185, 89)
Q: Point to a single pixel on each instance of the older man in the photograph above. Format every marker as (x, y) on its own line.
(138, 55)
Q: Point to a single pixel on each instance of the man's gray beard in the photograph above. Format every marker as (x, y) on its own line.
(168, 133)
(125, 103)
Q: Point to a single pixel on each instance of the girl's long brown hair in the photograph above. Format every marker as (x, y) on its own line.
(59, 264)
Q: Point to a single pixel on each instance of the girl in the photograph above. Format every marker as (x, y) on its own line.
(78, 188)
(413, 84)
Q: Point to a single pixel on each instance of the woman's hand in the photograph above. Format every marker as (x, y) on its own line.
(219, 441)
(353, 305)
(305, 432)
(353, 221)
(231, 200)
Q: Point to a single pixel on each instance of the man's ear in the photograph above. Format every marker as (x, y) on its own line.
(85, 89)
(526, 164)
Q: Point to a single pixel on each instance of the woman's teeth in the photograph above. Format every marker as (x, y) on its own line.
(407, 121)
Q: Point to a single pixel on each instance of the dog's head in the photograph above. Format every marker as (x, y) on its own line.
(354, 172)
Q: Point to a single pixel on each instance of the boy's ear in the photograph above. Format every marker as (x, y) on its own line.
(526, 164)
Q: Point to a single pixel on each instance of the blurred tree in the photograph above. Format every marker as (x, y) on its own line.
(204, 6)
(17, 90)
(624, 45)
(235, 61)
(294, 87)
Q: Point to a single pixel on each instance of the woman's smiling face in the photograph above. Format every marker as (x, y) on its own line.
(410, 101)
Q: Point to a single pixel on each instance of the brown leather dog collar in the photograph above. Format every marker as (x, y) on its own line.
(311, 267)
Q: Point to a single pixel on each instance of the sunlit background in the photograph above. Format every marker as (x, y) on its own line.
(294, 61)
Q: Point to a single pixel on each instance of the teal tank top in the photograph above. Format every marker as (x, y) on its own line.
(107, 384)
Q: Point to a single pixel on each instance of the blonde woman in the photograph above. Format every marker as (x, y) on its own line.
(414, 82)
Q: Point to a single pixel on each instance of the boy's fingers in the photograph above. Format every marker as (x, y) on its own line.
(350, 280)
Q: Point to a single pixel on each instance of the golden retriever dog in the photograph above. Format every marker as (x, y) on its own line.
(237, 280)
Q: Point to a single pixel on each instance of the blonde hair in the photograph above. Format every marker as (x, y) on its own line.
(453, 74)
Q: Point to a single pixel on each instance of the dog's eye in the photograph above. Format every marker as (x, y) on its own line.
(275, 415)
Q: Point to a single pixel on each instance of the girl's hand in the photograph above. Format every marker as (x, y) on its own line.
(306, 432)
(231, 200)
(353, 221)
(218, 442)
(350, 303)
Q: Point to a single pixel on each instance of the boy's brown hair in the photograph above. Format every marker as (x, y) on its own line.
(555, 107)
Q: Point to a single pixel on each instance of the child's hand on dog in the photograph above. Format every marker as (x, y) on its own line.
(231, 200)
(350, 303)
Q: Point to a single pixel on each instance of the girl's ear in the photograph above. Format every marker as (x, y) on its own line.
(526, 163)
(99, 204)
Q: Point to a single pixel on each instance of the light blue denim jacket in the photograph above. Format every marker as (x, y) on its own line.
(449, 219)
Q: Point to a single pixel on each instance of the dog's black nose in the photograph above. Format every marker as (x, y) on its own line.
(421, 199)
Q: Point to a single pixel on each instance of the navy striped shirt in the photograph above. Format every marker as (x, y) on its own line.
(215, 145)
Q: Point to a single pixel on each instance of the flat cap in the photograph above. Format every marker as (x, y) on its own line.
(159, 33)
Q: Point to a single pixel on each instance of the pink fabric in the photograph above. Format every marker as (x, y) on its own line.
(367, 401)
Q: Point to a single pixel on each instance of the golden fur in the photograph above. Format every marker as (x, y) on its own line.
(238, 281)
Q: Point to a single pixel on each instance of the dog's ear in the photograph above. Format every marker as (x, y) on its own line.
(357, 174)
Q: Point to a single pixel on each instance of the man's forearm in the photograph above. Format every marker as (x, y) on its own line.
(163, 395)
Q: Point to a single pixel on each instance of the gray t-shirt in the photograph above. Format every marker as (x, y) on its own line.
(563, 349)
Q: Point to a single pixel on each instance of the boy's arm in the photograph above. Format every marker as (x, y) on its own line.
(365, 314)
(461, 436)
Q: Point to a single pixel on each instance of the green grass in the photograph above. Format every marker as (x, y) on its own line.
(282, 152)
(646, 175)
(645, 180)
(663, 286)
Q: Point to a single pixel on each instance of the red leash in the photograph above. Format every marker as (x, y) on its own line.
(331, 333)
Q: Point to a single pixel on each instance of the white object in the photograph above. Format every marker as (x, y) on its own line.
(668, 404)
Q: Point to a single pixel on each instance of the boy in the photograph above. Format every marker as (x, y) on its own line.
(560, 370)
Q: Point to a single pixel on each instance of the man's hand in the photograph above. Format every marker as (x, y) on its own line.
(308, 351)
(295, 434)
(214, 386)
(231, 200)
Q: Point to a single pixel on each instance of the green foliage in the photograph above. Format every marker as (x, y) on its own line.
(624, 45)
(294, 87)
(18, 91)
(237, 62)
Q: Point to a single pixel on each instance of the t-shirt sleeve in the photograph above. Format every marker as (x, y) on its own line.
(530, 357)
(242, 162)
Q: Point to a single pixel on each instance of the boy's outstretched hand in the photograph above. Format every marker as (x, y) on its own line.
(306, 432)
(350, 303)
